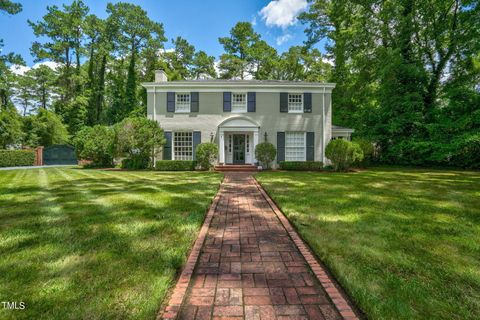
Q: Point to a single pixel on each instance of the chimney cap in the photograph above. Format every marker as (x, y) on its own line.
(160, 76)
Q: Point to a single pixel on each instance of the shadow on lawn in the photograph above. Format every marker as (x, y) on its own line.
(93, 246)
(403, 243)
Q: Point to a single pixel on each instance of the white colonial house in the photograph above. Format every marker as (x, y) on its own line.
(238, 114)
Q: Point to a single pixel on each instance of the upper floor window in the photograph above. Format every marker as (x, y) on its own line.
(182, 102)
(239, 102)
(295, 102)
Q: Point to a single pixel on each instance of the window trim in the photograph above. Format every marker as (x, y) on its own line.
(245, 94)
(304, 145)
(189, 102)
(288, 102)
(173, 143)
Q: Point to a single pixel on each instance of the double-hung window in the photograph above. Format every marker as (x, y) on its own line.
(295, 102)
(239, 102)
(182, 103)
(295, 146)
(182, 146)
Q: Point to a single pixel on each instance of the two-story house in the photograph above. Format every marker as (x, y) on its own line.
(238, 114)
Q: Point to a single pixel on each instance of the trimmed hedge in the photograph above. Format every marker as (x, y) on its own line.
(175, 165)
(17, 158)
(301, 165)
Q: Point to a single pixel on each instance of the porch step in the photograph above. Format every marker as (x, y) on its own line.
(236, 168)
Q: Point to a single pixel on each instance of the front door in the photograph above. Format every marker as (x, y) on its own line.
(239, 149)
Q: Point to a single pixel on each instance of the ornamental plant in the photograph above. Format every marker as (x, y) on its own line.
(265, 153)
(206, 154)
(343, 153)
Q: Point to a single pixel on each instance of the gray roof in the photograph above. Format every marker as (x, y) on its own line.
(338, 128)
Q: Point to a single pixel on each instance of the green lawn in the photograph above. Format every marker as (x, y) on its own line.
(404, 243)
(91, 244)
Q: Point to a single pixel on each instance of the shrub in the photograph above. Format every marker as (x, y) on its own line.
(138, 137)
(265, 153)
(343, 153)
(48, 129)
(10, 127)
(368, 152)
(17, 158)
(175, 165)
(206, 154)
(135, 163)
(301, 165)
(96, 144)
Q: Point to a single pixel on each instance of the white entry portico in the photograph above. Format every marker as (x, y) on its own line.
(237, 137)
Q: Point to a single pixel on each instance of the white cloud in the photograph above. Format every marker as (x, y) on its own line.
(282, 39)
(20, 70)
(282, 13)
(254, 21)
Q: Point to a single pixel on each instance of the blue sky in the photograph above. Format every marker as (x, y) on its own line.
(201, 22)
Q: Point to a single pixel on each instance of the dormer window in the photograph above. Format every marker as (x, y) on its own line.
(239, 102)
(182, 103)
(295, 102)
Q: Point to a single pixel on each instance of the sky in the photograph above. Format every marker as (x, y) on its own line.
(201, 22)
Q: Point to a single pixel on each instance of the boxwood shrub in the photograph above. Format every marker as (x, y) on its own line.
(301, 165)
(175, 165)
(17, 158)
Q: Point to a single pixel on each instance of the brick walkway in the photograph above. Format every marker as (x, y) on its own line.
(251, 267)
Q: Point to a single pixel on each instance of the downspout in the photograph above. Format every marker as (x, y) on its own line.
(154, 118)
(323, 126)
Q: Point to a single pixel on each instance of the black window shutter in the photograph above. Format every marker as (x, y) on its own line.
(194, 102)
(170, 101)
(197, 138)
(307, 102)
(280, 146)
(227, 102)
(283, 101)
(310, 146)
(251, 101)
(167, 147)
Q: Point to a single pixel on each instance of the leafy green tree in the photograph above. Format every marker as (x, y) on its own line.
(180, 59)
(96, 144)
(237, 60)
(10, 7)
(24, 92)
(7, 78)
(203, 64)
(138, 138)
(44, 87)
(63, 31)
(10, 127)
(48, 129)
(133, 32)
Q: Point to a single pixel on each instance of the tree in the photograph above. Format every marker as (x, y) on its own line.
(43, 88)
(180, 59)
(24, 92)
(10, 7)
(134, 31)
(138, 138)
(49, 129)
(7, 78)
(203, 64)
(97, 144)
(64, 31)
(393, 63)
(10, 127)
(237, 60)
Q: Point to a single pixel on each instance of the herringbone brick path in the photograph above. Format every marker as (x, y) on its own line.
(249, 267)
